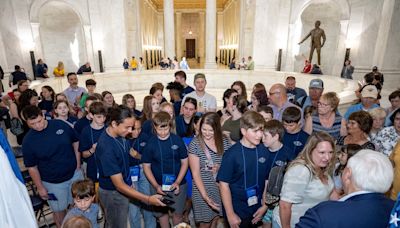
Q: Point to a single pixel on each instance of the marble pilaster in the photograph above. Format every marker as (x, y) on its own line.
(211, 34)
(178, 35)
(169, 28)
(201, 36)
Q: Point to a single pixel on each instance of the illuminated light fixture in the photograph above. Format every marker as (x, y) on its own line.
(230, 46)
(190, 26)
(190, 32)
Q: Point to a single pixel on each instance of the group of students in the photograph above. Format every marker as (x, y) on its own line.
(171, 158)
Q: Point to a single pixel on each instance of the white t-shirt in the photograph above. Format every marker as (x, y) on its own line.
(207, 101)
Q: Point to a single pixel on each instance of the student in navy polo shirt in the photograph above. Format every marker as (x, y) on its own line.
(139, 180)
(51, 155)
(295, 138)
(278, 153)
(243, 174)
(112, 158)
(165, 164)
(184, 123)
(89, 137)
(86, 119)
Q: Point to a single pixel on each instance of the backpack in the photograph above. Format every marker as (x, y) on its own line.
(16, 127)
(274, 187)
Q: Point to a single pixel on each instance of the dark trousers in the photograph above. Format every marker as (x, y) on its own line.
(116, 208)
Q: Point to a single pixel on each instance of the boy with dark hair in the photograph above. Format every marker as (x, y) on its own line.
(295, 138)
(83, 193)
(278, 153)
(91, 87)
(242, 175)
(266, 111)
(165, 164)
(85, 120)
(89, 136)
(53, 161)
(180, 77)
(175, 92)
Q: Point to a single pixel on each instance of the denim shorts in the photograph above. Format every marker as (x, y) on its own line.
(62, 191)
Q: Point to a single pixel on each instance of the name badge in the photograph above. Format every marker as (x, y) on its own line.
(167, 181)
(208, 165)
(134, 172)
(252, 198)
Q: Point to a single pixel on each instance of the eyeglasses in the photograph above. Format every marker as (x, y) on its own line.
(272, 93)
(322, 104)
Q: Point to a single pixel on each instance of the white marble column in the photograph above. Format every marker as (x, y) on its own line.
(211, 34)
(383, 32)
(90, 53)
(341, 49)
(169, 28)
(36, 39)
(178, 35)
(242, 26)
(220, 33)
(201, 43)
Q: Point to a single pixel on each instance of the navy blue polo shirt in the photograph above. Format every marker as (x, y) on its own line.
(232, 172)
(147, 127)
(138, 144)
(181, 126)
(186, 90)
(165, 156)
(112, 157)
(295, 142)
(88, 137)
(279, 158)
(51, 151)
(80, 124)
(46, 105)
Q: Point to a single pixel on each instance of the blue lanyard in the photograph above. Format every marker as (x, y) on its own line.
(162, 160)
(122, 148)
(244, 170)
(276, 155)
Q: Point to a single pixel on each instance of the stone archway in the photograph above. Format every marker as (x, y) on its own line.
(61, 36)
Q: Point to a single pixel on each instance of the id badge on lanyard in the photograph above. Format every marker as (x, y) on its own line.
(167, 181)
(252, 196)
(134, 172)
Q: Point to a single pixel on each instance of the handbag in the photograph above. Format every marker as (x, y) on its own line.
(16, 127)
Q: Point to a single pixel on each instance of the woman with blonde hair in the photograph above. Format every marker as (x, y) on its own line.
(169, 108)
(59, 70)
(307, 180)
(378, 116)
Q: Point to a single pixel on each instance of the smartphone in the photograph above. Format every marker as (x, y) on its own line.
(167, 199)
(52, 197)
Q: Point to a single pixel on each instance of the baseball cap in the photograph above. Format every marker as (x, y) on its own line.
(369, 91)
(375, 68)
(199, 75)
(316, 83)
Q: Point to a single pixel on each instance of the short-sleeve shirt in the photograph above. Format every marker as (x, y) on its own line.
(165, 156)
(57, 72)
(278, 111)
(357, 107)
(51, 150)
(90, 214)
(87, 138)
(73, 93)
(295, 142)
(207, 101)
(295, 94)
(386, 139)
(181, 126)
(187, 90)
(303, 190)
(46, 105)
(138, 144)
(281, 157)
(232, 126)
(81, 124)
(112, 157)
(232, 172)
(147, 127)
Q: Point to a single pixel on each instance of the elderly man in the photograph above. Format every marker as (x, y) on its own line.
(369, 96)
(367, 176)
(293, 92)
(278, 100)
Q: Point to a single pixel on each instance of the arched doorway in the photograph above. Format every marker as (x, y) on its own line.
(330, 15)
(61, 36)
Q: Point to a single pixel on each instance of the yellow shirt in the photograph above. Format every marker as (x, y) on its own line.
(133, 63)
(58, 73)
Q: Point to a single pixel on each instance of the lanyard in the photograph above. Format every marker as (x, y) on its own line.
(244, 170)
(122, 149)
(273, 161)
(162, 160)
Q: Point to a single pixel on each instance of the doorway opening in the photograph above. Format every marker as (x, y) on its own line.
(190, 48)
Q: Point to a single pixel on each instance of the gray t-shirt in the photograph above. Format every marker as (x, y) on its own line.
(90, 214)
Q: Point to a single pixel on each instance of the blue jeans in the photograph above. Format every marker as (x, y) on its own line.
(136, 208)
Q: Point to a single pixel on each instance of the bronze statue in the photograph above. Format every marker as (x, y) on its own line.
(316, 35)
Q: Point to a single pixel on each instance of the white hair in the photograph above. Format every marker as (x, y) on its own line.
(371, 171)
